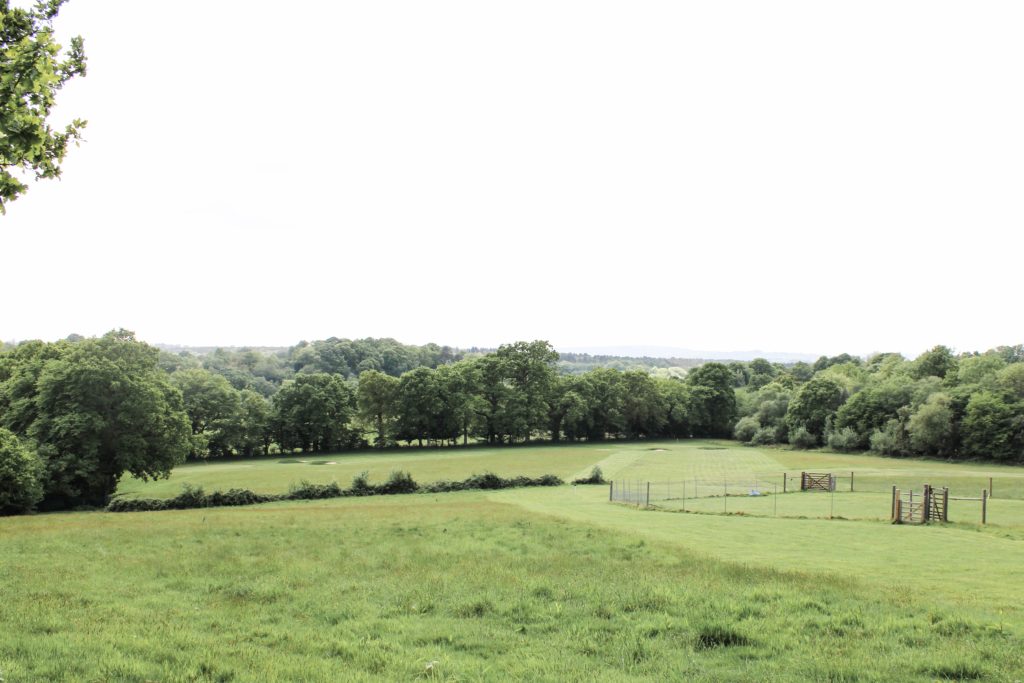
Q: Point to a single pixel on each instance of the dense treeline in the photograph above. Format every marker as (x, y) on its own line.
(941, 404)
(264, 371)
(75, 415)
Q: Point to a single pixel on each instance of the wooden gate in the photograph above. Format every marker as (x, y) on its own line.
(909, 507)
(815, 481)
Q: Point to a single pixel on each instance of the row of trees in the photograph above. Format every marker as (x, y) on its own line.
(76, 414)
(507, 396)
(940, 404)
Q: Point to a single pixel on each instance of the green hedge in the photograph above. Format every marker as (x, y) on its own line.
(398, 483)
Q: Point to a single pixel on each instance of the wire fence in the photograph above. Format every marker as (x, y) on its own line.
(819, 496)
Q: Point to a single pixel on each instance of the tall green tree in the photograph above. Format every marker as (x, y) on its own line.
(988, 428)
(33, 69)
(213, 407)
(104, 408)
(377, 398)
(419, 406)
(931, 427)
(529, 367)
(643, 406)
(712, 400)
(814, 404)
(937, 361)
(21, 475)
(312, 412)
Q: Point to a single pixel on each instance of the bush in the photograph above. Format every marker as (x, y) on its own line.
(486, 481)
(891, 440)
(845, 439)
(136, 505)
(308, 491)
(801, 438)
(239, 497)
(746, 428)
(361, 485)
(596, 477)
(765, 436)
(21, 475)
(189, 498)
(398, 482)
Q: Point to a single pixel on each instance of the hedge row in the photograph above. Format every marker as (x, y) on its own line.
(398, 483)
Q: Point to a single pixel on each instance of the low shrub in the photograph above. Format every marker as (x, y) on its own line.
(801, 438)
(398, 483)
(746, 428)
(596, 477)
(844, 439)
(765, 436)
(361, 485)
(308, 491)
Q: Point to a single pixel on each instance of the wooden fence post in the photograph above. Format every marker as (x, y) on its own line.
(945, 504)
(784, 482)
(927, 510)
(851, 482)
(648, 495)
(611, 491)
(984, 506)
(990, 487)
(892, 512)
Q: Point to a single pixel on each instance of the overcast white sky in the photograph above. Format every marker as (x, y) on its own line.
(791, 176)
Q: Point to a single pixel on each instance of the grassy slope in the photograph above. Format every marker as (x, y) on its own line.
(381, 588)
(535, 584)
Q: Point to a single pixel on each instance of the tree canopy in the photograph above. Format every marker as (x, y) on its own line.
(33, 68)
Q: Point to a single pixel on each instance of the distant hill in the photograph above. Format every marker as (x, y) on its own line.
(688, 355)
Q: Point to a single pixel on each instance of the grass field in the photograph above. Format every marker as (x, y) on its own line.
(529, 584)
(275, 475)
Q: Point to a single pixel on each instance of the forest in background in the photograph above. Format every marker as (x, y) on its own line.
(76, 414)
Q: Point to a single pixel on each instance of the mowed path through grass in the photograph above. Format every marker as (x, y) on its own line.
(461, 586)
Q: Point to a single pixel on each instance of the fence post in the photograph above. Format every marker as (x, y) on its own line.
(648, 503)
(851, 482)
(784, 482)
(927, 514)
(893, 511)
(945, 504)
(611, 491)
(990, 487)
(984, 506)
